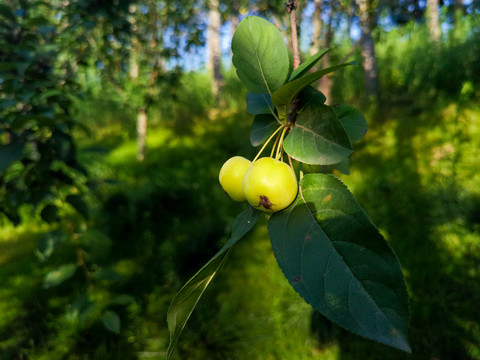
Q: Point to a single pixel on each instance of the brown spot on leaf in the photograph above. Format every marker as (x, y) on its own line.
(327, 198)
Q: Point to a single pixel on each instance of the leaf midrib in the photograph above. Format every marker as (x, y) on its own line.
(306, 129)
(352, 274)
(257, 57)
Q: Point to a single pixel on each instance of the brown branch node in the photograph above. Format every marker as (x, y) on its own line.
(291, 5)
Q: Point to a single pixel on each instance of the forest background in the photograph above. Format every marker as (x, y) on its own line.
(115, 118)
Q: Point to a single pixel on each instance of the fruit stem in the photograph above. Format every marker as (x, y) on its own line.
(290, 161)
(274, 145)
(268, 140)
(280, 144)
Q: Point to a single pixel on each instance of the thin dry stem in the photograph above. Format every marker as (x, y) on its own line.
(290, 161)
(291, 9)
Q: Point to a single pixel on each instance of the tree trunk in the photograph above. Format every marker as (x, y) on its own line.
(459, 9)
(142, 121)
(350, 14)
(325, 83)
(214, 46)
(317, 27)
(368, 49)
(141, 114)
(152, 52)
(432, 20)
(234, 21)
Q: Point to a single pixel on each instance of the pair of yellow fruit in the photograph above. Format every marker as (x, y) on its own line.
(267, 184)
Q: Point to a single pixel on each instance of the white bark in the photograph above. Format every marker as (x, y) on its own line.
(142, 121)
(432, 20)
(316, 27)
(214, 46)
(368, 49)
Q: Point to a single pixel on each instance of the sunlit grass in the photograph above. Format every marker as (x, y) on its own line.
(259, 315)
(20, 275)
(416, 176)
(403, 168)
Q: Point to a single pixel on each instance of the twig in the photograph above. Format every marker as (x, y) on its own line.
(291, 6)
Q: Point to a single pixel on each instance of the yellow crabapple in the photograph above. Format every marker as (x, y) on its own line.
(231, 175)
(270, 185)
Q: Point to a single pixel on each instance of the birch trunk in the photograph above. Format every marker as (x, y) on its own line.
(433, 21)
(325, 84)
(368, 49)
(214, 45)
(141, 114)
(317, 27)
(142, 121)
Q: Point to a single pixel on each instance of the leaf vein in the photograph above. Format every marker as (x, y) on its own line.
(349, 270)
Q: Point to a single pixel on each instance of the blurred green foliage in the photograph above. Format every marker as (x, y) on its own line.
(152, 224)
(413, 72)
(38, 163)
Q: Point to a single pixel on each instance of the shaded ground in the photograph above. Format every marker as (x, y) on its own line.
(414, 174)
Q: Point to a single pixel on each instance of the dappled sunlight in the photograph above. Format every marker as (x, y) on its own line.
(21, 274)
(164, 217)
(419, 195)
(104, 241)
(262, 310)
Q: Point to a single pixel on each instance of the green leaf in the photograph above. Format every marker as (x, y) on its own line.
(47, 244)
(63, 144)
(310, 94)
(187, 298)
(82, 308)
(111, 321)
(260, 55)
(79, 204)
(318, 138)
(10, 153)
(108, 275)
(8, 66)
(307, 65)
(287, 93)
(123, 299)
(49, 214)
(7, 13)
(58, 276)
(263, 126)
(336, 259)
(5, 104)
(49, 93)
(352, 120)
(259, 104)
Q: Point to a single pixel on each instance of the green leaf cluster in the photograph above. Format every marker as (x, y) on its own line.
(37, 151)
(279, 95)
(328, 249)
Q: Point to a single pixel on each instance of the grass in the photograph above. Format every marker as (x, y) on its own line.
(21, 281)
(415, 179)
